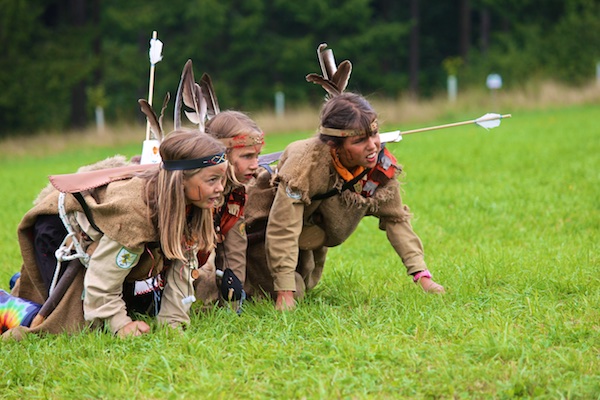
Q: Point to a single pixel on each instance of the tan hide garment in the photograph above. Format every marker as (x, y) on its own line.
(306, 167)
(119, 211)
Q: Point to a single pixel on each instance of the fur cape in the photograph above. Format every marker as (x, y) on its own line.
(119, 211)
(306, 168)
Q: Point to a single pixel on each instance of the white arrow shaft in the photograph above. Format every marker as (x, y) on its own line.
(473, 121)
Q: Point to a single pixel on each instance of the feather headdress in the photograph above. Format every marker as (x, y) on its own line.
(156, 122)
(209, 95)
(335, 78)
(191, 99)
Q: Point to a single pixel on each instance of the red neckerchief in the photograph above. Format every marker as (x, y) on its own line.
(226, 217)
(231, 211)
(378, 176)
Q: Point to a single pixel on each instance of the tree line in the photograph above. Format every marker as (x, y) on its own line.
(62, 58)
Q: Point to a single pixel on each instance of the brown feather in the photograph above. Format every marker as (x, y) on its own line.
(321, 49)
(209, 95)
(151, 117)
(190, 95)
(197, 101)
(329, 63)
(190, 100)
(326, 84)
(342, 75)
(179, 96)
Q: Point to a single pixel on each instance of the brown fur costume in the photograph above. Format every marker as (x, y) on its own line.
(119, 212)
(306, 169)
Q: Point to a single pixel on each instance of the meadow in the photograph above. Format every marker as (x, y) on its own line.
(510, 220)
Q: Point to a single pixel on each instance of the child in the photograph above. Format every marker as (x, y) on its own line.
(244, 141)
(324, 187)
(131, 226)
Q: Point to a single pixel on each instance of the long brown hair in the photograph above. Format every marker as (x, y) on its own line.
(166, 198)
(347, 111)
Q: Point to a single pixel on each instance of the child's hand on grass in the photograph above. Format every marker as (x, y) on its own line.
(430, 286)
(134, 328)
(285, 301)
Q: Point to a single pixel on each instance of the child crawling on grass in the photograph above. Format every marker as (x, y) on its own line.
(131, 226)
(322, 188)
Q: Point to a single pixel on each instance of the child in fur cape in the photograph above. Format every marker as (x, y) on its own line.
(135, 226)
(322, 188)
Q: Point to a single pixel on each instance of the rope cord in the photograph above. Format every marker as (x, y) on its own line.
(64, 251)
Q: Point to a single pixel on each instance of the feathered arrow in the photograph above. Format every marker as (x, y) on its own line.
(487, 121)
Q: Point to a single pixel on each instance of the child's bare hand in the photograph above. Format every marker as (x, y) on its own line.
(134, 328)
(430, 286)
(285, 301)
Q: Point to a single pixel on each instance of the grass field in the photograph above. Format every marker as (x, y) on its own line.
(510, 220)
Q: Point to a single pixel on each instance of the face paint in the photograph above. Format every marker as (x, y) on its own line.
(204, 188)
(360, 151)
(245, 162)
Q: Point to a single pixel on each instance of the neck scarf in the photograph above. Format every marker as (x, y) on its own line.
(343, 171)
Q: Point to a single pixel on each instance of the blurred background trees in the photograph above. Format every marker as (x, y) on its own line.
(59, 57)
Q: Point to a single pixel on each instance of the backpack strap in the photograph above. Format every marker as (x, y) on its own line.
(88, 213)
(345, 186)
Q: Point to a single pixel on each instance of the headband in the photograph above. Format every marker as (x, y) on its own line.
(346, 132)
(209, 161)
(243, 140)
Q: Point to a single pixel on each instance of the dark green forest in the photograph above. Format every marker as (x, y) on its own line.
(62, 58)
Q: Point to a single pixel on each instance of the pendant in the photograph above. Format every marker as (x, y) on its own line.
(195, 274)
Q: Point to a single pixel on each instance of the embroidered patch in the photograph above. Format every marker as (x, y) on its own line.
(243, 229)
(125, 258)
(293, 194)
(358, 187)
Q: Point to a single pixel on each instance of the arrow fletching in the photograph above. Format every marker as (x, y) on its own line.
(155, 52)
(393, 136)
(489, 121)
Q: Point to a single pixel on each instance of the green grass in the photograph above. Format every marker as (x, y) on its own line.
(510, 220)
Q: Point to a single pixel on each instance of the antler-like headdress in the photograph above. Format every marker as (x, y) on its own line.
(335, 78)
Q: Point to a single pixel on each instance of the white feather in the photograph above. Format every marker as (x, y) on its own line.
(155, 51)
(387, 137)
(489, 120)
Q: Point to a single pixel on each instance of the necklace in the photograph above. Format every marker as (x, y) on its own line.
(191, 254)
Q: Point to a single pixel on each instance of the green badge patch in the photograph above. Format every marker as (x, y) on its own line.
(125, 258)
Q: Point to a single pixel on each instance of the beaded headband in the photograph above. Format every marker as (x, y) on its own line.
(244, 140)
(209, 161)
(346, 132)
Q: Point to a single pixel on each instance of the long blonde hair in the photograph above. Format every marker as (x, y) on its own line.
(166, 198)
